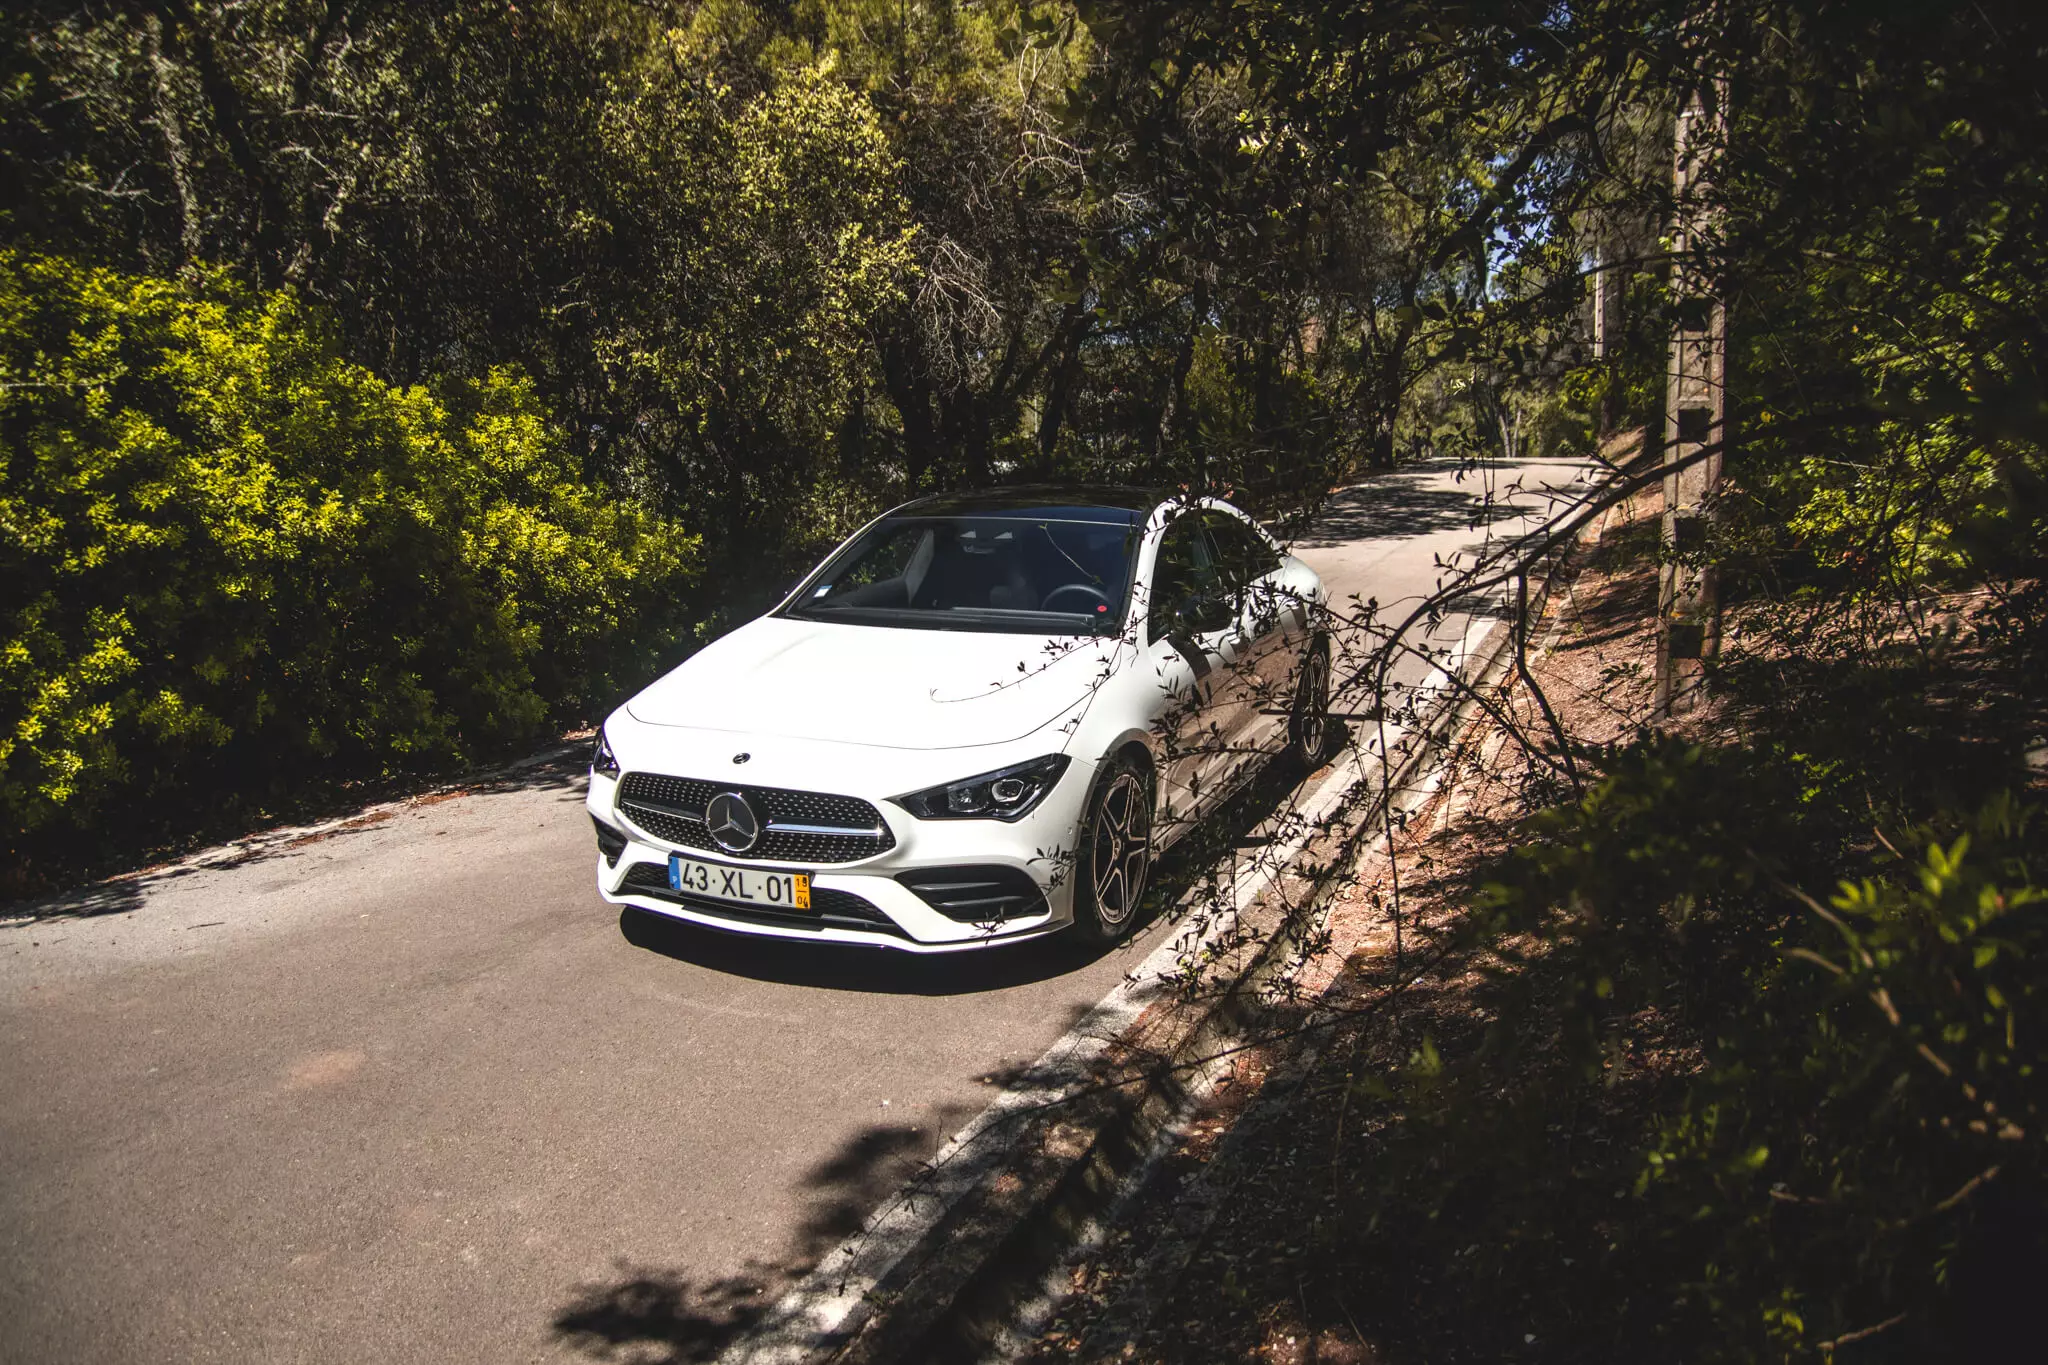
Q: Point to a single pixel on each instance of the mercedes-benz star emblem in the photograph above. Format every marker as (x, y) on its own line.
(734, 826)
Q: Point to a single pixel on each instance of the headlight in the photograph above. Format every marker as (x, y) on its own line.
(1005, 794)
(601, 760)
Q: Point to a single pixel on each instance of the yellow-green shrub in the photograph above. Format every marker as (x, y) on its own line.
(231, 559)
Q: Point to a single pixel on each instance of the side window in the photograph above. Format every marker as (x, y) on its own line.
(1182, 570)
(1241, 553)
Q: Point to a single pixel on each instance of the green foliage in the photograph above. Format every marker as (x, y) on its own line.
(1482, 412)
(1262, 430)
(1889, 329)
(232, 558)
(686, 258)
(749, 251)
(747, 247)
(1656, 867)
(1877, 1103)
(1857, 1146)
(1866, 1117)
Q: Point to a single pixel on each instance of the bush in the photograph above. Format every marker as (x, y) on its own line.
(231, 559)
(1863, 1150)
(1851, 1144)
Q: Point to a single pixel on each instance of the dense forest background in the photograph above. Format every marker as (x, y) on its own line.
(388, 383)
(383, 385)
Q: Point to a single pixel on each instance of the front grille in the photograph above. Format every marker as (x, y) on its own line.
(672, 810)
(830, 908)
(977, 894)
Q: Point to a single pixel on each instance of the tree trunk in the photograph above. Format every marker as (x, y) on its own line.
(230, 120)
(913, 407)
(164, 99)
(1175, 397)
(1059, 385)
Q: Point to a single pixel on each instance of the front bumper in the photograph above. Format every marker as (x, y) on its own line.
(866, 901)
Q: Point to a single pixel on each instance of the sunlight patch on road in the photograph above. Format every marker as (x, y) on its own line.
(323, 1069)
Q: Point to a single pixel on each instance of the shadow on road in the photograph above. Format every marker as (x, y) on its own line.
(563, 770)
(849, 967)
(648, 1308)
(662, 1316)
(116, 897)
(1400, 505)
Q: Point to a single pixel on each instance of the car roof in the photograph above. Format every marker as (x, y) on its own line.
(1116, 503)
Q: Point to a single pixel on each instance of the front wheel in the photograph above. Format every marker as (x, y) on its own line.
(1114, 856)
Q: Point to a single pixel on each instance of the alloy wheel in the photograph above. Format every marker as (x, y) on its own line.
(1312, 707)
(1120, 849)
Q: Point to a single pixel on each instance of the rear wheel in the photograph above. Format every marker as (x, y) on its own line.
(1114, 857)
(1309, 724)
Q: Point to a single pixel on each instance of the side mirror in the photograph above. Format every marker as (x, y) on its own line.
(1201, 613)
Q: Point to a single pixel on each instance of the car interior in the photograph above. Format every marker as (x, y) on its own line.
(986, 564)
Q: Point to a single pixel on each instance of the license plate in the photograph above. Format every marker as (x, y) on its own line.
(740, 885)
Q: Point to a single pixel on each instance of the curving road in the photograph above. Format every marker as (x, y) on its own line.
(406, 1089)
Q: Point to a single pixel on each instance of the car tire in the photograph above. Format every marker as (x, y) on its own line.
(1113, 854)
(1308, 723)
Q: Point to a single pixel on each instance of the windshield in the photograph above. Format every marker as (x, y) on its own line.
(1031, 575)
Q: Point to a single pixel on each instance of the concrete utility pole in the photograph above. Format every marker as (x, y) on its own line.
(1695, 407)
(1599, 273)
(1603, 420)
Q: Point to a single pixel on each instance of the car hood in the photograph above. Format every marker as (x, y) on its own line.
(874, 685)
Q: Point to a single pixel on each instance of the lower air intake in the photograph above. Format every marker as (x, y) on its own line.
(977, 894)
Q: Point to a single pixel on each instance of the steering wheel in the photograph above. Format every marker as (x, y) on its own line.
(1094, 595)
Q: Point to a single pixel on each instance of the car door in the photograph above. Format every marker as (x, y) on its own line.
(1266, 623)
(1194, 647)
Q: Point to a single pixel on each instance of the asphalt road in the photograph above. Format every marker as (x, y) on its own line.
(410, 1090)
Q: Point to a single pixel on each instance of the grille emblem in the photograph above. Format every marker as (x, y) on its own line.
(732, 823)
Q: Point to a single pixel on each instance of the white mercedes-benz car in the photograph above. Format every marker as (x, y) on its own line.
(977, 722)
